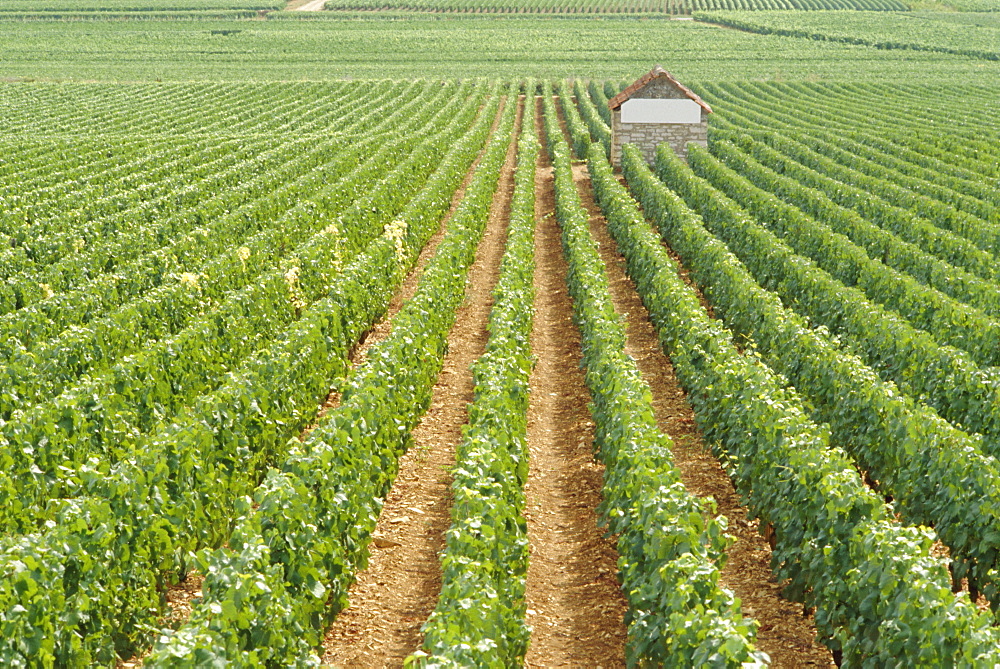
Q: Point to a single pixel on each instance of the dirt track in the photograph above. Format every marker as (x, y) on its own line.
(309, 6)
(575, 606)
(393, 597)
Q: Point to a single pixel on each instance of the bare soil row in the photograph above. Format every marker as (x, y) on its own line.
(393, 597)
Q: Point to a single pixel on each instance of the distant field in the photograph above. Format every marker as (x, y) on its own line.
(322, 47)
(610, 6)
(968, 34)
(80, 6)
(974, 5)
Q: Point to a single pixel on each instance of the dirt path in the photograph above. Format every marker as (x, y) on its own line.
(394, 595)
(575, 606)
(785, 634)
(308, 6)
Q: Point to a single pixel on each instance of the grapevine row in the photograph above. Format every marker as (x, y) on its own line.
(671, 7)
(879, 241)
(894, 38)
(972, 218)
(911, 178)
(898, 127)
(948, 379)
(599, 130)
(901, 221)
(293, 213)
(155, 384)
(150, 109)
(669, 544)
(479, 619)
(982, 227)
(948, 321)
(145, 225)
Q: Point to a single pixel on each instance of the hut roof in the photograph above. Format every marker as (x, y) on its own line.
(656, 73)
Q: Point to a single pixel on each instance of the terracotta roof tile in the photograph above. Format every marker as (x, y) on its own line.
(656, 73)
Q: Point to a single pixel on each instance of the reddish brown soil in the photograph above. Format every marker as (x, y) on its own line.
(394, 595)
(179, 599)
(575, 606)
(785, 633)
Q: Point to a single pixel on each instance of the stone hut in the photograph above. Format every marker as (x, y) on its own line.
(657, 108)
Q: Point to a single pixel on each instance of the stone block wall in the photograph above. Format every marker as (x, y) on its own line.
(647, 136)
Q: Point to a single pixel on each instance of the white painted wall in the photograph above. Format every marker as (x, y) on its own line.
(643, 110)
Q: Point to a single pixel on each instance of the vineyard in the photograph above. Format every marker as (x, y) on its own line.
(79, 8)
(333, 338)
(975, 35)
(669, 7)
(248, 8)
(320, 46)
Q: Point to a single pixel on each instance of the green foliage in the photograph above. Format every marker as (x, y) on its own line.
(948, 380)
(148, 389)
(599, 98)
(80, 8)
(950, 398)
(908, 449)
(316, 515)
(965, 35)
(147, 402)
(947, 320)
(882, 246)
(963, 145)
(958, 226)
(181, 488)
(479, 620)
(662, 7)
(579, 132)
(589, 112)
(126, 307)
(910, 219)
(879, 593)
(95, 230)
(973, 5)
(669, 543)
(297, 48)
